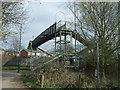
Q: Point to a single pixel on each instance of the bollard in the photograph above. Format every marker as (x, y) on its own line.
(18, 62)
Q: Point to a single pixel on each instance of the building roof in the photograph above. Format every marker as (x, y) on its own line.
(39, 51)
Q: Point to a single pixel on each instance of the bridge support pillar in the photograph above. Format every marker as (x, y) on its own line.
(60, 42)
(55, 44)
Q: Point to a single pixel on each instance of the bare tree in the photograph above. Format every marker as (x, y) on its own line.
(99, 19)
(15, 43)
(13, 14)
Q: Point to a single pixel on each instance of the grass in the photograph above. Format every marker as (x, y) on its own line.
(58, 86)
(31, 82)
(12, 68)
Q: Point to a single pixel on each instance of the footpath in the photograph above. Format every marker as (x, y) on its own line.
(12, 79)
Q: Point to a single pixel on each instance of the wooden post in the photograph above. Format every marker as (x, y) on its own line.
(38, 79)
(42, 81)
(79, 82)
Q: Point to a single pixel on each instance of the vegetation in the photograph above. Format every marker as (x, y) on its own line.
(15, 44)
(56, 76)
(98, 21)
(14, 68)
(31, 82)
(13, 14)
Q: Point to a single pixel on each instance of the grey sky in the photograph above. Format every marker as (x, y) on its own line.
(41, 16)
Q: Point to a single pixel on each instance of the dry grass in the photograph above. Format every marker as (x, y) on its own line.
(56, 74)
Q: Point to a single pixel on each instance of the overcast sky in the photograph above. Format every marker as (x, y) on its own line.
(41, 16)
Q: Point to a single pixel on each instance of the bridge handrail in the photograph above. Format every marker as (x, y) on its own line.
(60, 24)
(41, 64)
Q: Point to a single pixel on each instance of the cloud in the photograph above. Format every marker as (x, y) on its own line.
(41, 16)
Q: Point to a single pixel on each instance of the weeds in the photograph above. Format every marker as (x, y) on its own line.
(56, 76)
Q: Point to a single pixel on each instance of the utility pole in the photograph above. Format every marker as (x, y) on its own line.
(20, 37)
(118, 43)
(75, 25)
(19, 48)
(98, 77)
(75, 33)
(97, 55)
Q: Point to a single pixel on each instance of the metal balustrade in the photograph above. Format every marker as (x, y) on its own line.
(41, 61)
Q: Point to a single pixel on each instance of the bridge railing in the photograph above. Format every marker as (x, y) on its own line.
(60, 24)
(38, 60)
(65, 25)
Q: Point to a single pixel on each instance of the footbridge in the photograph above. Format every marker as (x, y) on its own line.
(56, 30)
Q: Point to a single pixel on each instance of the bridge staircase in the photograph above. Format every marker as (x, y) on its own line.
(39, 62)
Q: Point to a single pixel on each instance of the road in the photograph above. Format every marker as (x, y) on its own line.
(12, 79)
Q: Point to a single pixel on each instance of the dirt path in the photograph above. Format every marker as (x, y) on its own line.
(12, 79)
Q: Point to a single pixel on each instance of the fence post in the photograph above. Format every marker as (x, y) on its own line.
(79, 82)
(42, 81)
(38, 79)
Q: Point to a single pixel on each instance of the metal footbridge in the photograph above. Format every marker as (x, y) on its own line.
(55, 30)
